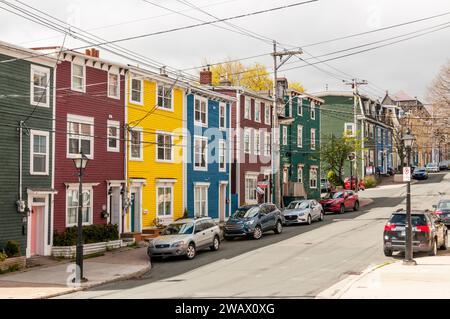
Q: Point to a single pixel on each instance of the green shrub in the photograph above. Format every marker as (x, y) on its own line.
(12, 249)
(370, 181)
(91, 234)
(3, 256)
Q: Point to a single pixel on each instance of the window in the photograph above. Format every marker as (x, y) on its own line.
(80, 136)
(371, 129)
(165, 97)
(201, 201)
(222, 116)
(267, 119)
(40, 82)
(200, 153)
(313, 110)
(313, 178)
(39, 155)
(247, 141)
(113, 136)
(137, 91)
(290, 107)
(300, 136)
(257, 142)
(222, 157)
(113, 86)
(285, 133)
(164, 147)
(78, 77)
(349, 130)
(258, 112)
(285, 175)
(267, 144)
(313, 138)
(247, 109)
(201, 111)
(300, 106)
(136, 144)
(72, 207)
(250, 189)
(164, 199)
(300, 174)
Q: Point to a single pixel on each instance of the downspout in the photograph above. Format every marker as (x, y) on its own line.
(229, 143)
(238, 146)
(125, 153)
(20, 161)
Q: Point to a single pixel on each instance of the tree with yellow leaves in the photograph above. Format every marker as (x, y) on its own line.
(297, 86)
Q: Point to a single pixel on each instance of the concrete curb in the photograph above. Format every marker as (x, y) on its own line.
(136, 274)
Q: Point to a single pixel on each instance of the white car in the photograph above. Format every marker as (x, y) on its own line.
(432, 168)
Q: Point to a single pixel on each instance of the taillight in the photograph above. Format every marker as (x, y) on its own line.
(422, 229)
(390, 227)
(439, 212)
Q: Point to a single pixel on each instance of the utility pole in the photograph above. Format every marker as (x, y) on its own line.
(355, 83)
(284, 56)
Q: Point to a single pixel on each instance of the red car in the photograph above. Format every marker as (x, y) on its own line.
(362, 184)
(339, 202)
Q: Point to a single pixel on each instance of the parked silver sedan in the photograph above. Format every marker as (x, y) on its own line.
(303, 212)
(185, 237)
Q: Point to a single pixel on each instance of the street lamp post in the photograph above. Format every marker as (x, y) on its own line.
(408, 141)
(80, 164)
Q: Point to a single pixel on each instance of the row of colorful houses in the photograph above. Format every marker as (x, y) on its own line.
(159, 148)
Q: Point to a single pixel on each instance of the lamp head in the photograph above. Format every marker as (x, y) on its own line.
(81, 161)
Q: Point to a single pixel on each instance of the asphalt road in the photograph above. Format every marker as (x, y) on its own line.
(299, 263)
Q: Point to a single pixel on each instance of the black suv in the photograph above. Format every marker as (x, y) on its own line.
(253, 221)
(429, 233)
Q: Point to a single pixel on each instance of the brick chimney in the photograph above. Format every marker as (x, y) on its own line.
(206, 77)
(93, 53)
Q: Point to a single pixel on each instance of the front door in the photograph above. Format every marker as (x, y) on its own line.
(37, 231)
(132, 212)
(222, 202)
(115, 207)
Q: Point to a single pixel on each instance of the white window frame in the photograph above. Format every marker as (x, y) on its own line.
(222, 155)
(34, 69)
(141, 140)
(223, 115)
(196, 139)
(91, 214)
(346, 126)
(247, 132)
(161, 133)
(285, 136)
(34, 133)
(115, 124)
(290, 107)
(300, 173)
(299, 106)
(201, 100)
(267, 117)
(117, 97)
(165, 186)
(71, 118)
(267, 144)
(257, 142)
(141, 95)
(163, 108)
(313, 140)
(257, 111)
(300, 136)
(204, 190)
(313, 110)
(83, 89)
(248, 108)
(311, 170)
(249, 200)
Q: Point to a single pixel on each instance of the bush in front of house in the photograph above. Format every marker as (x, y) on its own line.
(91, 234)
(12, 249)
(370, 181)
(3, 256)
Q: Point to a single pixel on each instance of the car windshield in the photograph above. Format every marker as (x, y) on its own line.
(420, 170)
(417, 220)
(246, 212)
(444, 205)
(298, 205)
(179, 229)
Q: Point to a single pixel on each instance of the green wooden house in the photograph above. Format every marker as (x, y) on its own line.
(26, 143)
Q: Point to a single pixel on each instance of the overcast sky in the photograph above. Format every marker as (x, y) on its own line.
(410, 65)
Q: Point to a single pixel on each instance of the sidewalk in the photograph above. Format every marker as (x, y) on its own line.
(430, 279)
(54, 280)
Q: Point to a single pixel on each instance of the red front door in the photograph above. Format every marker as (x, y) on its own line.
(37, 231)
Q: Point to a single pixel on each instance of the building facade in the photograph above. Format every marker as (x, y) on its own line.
(208, 184)
(27, 109)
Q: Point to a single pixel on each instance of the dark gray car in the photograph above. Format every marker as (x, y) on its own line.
(442, 209)
(253, 221)
(303, 212)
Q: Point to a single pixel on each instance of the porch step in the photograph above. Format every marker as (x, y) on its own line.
(152, 231)
(135, 236)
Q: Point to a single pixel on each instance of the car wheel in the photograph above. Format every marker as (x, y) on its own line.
(190, 254)
(278, 228)
(257, 233)
(309, 222)
(321, 216)
(356, 207)
(342, 209)
(388, 252)
(433, 251)
(445, 244)
(216, 244)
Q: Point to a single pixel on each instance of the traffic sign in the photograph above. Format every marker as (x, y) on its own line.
(407, 174)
